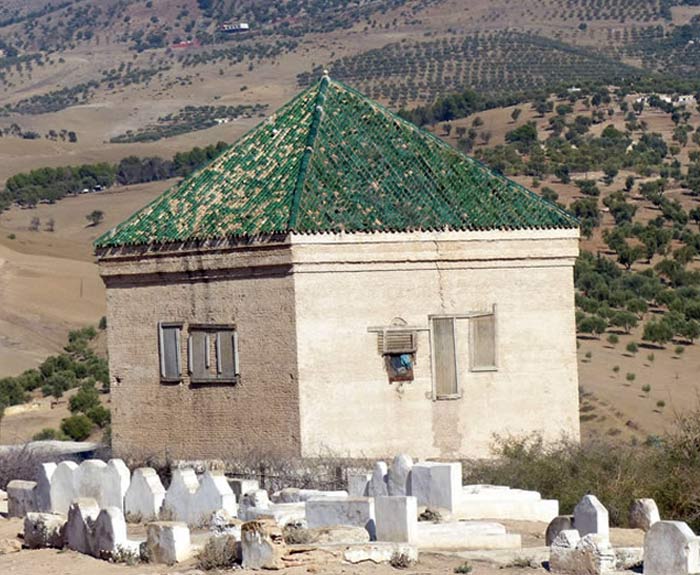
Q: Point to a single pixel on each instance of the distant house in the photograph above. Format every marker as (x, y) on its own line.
(340, 280)
(232, 28)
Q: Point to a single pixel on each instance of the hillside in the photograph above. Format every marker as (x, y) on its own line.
(84, 82)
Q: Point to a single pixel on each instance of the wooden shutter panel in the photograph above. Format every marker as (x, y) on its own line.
(483, 330)
(199, 350)
(394, 341)
(445, 357)
(170, 352)
(226, 354)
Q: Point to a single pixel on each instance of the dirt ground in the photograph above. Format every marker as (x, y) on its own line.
(320, 561)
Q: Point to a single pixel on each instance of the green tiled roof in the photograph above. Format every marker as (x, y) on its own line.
(332, 160)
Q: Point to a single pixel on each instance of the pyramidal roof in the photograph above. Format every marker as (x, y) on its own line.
(333, 160)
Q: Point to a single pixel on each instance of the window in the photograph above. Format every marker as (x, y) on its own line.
(169, 347)
(397, 344)
(483, 343)
(212, 353)
(445, 356)
(453, 355)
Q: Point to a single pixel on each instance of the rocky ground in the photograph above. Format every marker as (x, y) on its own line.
(303, 559)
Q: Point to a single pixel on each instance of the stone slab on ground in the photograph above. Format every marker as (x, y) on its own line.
(380, 552)
(500, 502)
(465, 535)
(282, 513)
(168, 542)
(43, 530)
(331, 511)
(341, 534)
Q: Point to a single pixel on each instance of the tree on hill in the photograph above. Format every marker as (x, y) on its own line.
(95, 217)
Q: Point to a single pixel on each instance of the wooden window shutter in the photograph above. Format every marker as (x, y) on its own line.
(483, 342)
(199, 352)
(445, 357)
(226, 354)
(393, 341)
(169, 343)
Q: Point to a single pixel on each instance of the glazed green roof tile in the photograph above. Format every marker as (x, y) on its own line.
(332, 160)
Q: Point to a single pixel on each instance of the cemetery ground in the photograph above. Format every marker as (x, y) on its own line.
(66, 562)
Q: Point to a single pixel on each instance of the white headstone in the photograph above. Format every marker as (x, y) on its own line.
(332, 511)
(81, 516)
(643, 514)
(168, 542)
(109, 533)
(437, 485)
(115, 483)
(63, 487)
(43, 486)
(145, 495)
(21, 497)
(398, 482)
(89, 479)
(358, 484)
(214, 494)
(378, 483)
(671, 548)
(590, 516)
(180, 495)
(396, 518)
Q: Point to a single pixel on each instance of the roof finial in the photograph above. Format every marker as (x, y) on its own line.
(325, 73)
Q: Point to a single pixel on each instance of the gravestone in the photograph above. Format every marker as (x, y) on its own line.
(144, 497)
(671, 548)
(399, 476)
(396, 518)
(590, 516)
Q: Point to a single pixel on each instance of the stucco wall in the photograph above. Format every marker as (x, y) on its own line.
(251, 288)
(343, 285)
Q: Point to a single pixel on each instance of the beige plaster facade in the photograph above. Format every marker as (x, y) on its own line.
(311, 377)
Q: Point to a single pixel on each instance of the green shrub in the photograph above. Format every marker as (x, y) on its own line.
(667, 470)
(49, 433)
(613, 339)
(651, 357)
(100, 416)
(679, 349)
(464, 568)
(630, 377)
(646, 388)
(77, 427)
(86, 399)
(661, 404)
(616, 369)
(632, 347)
